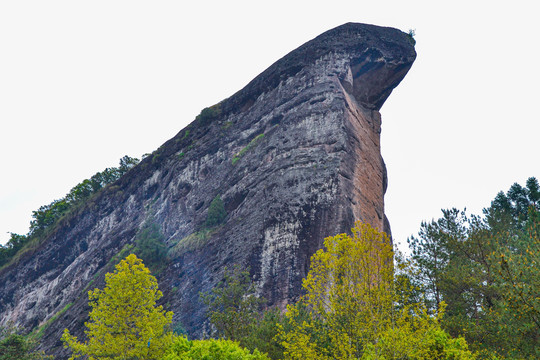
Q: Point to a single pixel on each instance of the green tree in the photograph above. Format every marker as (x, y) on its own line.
(352, 299)
(47, 216)
(216, 212)
(183, 349)
(485, 269)
(232, 306)
(234, 311)
(125, 322)
(150, 246)
(264, 332)
(14, 346)
(520, 289)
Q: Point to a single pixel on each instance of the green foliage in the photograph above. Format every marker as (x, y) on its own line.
(186, 134)
(125, 322)
(520, 288)
(209, 114)
(47, 216)
(355, 307)
(264, 332)
(178, 329)
(216, 212)
(485, 269)
(248, 147)
(434, 344)
(216, 216)
(183, 349)
(232, 307)
(14, 244)
(150, 246)
(14, 346)
(191, 242)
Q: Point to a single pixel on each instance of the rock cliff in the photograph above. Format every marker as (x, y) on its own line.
(295, 157)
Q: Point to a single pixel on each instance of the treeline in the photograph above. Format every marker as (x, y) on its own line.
(47, 216)
(469, 290)
(486, 271)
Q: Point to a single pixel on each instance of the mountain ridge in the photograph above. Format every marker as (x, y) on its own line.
(305, 136)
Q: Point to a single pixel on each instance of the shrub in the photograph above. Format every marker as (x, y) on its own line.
(183, 349)
(150, 246)
(411, 34)
(216, 212)
(208, 114)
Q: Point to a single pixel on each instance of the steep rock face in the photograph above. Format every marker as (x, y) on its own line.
(295, 156)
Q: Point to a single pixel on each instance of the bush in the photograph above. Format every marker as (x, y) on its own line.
(411, 34)
(216, 212)
(247, 148)
(150, 245)
(208, 114)
(183, 349)
(14, 346)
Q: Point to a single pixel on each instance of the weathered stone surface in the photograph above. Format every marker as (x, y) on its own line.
(316, 169)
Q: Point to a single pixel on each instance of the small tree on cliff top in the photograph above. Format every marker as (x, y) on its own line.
(125, 322)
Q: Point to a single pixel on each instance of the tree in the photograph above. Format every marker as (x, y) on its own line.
(216, 212)
(520, 289)
(356, 310)
(432, 249)
(150, 246)
(232, 307)
(489, 274)
(234, 310)
(127, 163)
(14, 346)
(125, 322)
(183, 349)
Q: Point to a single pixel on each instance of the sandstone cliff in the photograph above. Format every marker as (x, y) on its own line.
(295, 156)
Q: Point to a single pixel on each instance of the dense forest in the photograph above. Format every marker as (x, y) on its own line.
(468, 290)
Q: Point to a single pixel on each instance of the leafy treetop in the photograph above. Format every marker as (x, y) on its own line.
(125, 322)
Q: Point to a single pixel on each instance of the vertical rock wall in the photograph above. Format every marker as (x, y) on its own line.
(295, 156)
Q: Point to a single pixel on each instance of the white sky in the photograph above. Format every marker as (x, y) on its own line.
(84, 83)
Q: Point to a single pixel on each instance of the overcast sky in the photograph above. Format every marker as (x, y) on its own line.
(84, 83)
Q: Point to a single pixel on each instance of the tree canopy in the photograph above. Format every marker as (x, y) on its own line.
(485, 268)
(48, 215)
(211, 349)
(125, 322)
(355, 308)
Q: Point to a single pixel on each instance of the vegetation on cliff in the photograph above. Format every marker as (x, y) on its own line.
(469, 290)
(14, 346)
(47, 216)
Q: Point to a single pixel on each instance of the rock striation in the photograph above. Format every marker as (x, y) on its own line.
(295, 157)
